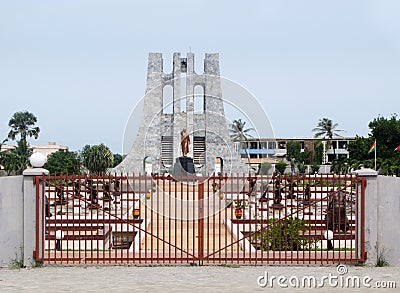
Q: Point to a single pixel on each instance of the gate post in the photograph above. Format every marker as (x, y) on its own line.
(200, 239)
(371, 213)
(32, 210)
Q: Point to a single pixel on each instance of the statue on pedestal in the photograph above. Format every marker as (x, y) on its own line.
(185, 141)
(184, 165)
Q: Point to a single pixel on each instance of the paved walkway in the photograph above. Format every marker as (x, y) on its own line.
(187, 279)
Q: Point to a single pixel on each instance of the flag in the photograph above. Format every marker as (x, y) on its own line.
(397, 149)
(372, 148)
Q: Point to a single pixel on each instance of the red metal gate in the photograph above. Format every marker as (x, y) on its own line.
(213, 220)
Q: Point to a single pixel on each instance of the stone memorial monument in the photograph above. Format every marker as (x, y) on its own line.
(186, 139)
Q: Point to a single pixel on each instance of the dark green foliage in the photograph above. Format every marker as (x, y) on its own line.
(315, 168)
(62, 162)
(301, 167)
(358, 148)
(23, 124)
(280, 167)
(117, 159)
(296, 157)
(286, 234)
(305, 157)
(97, 158)
(293, 149)
(16, 161)
(386, 132)
(318, 153)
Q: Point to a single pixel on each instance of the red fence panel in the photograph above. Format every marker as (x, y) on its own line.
(311, 219)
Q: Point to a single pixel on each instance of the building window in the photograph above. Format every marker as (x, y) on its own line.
(254, 145)
(271, 145)
(342, 144)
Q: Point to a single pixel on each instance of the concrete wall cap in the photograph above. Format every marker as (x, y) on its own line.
(35, 172)
(365, 172)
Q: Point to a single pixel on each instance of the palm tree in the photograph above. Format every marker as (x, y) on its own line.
(23, 123)
(241, 134)
(97, 158)
(327, 129)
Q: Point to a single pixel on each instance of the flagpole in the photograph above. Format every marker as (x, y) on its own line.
(375, 154)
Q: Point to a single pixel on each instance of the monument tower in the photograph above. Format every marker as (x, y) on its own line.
(157, 146)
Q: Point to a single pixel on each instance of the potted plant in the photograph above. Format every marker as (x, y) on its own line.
(148, 194)
(239, 207)
(136, 213)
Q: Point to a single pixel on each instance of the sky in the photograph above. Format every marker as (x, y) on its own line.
(80, 66)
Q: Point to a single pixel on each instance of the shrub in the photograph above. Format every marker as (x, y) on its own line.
(315, 168)
(280, 167)
(287, 234)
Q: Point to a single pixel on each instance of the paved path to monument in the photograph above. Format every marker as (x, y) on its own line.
(183, 279)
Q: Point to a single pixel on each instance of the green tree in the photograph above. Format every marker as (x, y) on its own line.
(1, 146)
(293, 149)
(97, 158)
(15, 161)
(280, 167)
(327, 129)
(23, 124)
(314, 168)
(10, 162)
(386, 132)
(118, 159)
(318, 153)
(239, 133)
(358, 148)
(304, 158)
(62, 162)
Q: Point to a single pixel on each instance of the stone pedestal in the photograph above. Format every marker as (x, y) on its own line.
(183, 167)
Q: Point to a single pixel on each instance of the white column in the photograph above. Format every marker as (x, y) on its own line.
(37, 160)
(371, 213)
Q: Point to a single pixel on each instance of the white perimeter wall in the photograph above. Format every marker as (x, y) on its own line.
(388, 221)
(11, 219)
